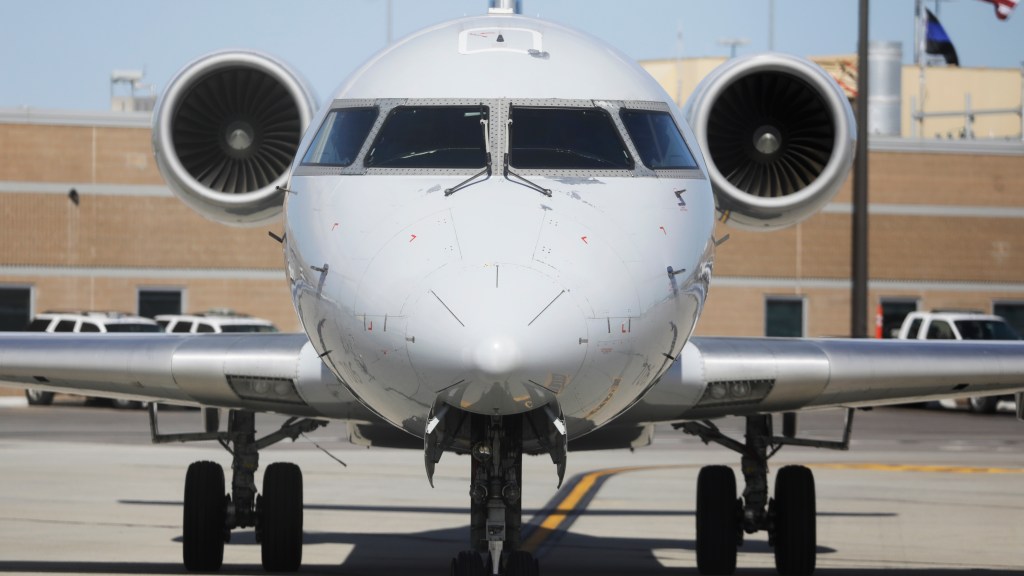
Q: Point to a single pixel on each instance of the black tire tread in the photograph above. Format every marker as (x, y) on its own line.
(717, 522)
(796, 545)
(203, 517)
(281, 518)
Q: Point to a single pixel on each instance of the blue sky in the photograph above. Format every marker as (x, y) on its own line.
(60, 53)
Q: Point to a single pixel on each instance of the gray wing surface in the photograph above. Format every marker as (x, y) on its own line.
(262, 372)
(716, 377)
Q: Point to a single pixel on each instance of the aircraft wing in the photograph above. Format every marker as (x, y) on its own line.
(262, 372)
(717, 377)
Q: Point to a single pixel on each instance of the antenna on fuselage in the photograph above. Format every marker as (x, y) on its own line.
(506, 7)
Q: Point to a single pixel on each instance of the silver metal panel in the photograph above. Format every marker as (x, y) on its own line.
(192, 369)
(885, 84)
(826, 373)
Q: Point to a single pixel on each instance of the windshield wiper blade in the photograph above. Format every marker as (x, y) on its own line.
(524, 181)
(485, 124)
(471, 180)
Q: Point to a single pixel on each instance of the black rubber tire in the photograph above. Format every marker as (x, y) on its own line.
(38, 397)
(281, 518)
(204, 517)
(468, 563)
(983, 404)
(521, 563)
(795, 522)
(718, 528)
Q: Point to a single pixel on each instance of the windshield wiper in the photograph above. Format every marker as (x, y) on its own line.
(472, 179)
(486, 125)
(524, 181)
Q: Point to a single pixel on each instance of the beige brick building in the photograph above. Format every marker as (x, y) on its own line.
(126, 237)
(946, 231)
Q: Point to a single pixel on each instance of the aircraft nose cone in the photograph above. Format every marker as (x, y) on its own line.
(496, 356)
(495, 339)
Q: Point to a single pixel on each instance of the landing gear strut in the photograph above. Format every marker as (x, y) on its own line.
(789, 518)
(210, 514)
(495, 501)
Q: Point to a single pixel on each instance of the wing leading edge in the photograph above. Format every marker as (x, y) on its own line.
(716, 377)
(261, 372)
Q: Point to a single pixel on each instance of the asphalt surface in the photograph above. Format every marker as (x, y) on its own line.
(82, 491)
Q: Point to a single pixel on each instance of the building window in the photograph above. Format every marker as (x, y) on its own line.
(1013, 312)
(15, 308)
(159, 301)
(784, 316)
(894, 310)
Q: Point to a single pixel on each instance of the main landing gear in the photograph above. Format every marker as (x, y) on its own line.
(210, 513)
(789, 518)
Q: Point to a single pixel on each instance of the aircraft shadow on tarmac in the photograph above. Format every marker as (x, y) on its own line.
(562, 553)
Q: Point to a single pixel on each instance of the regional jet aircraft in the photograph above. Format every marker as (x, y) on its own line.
(499, 236)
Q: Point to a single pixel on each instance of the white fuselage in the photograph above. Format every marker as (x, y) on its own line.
(578, 286)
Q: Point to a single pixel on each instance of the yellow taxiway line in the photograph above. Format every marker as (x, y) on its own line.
(584, 489)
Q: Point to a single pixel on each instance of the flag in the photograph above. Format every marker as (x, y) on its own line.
(1003, 7)
(938, 42)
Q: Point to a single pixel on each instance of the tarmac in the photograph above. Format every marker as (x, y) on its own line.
(82, 491)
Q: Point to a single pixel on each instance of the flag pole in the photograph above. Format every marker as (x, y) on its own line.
(920, 39)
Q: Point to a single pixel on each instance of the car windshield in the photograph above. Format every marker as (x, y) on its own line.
(340, 137)
(133, 328)
(248, 328)
(565, 138)
(985, 330)
(657, 140)
(431, 137)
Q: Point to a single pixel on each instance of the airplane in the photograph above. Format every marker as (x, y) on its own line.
(499, 236)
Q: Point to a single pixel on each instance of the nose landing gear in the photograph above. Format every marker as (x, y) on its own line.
(495, 502)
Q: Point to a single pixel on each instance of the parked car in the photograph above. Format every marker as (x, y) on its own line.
(213, 323)
(960, 325)
(87, 322)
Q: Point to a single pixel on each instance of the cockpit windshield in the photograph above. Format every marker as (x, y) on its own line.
(565, 138)
(340, 137)
(431, 137)
(657, 140)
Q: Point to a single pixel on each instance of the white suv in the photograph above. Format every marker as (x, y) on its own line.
(960, 325)
(87, 322)
(213, 323)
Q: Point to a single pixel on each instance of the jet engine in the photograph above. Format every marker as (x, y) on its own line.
(225, 132)
(778, 136)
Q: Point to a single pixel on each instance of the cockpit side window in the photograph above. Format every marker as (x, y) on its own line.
(431, 137)
(657, 140)
(340, 137)
(565, 138)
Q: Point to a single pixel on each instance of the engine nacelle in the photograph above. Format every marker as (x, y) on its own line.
(779, 138)
(226, 130)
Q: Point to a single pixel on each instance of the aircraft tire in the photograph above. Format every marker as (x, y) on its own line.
(718, 529)
(522, 563)
(795, 526)
(203, 532)
(468, 563)
(38, 397)
(281, 518)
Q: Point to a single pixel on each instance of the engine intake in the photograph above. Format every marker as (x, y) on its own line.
(225, 132)
(779, 137)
